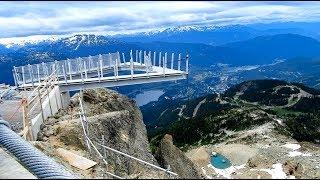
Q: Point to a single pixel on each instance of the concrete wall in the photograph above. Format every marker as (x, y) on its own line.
(65, 97)
(50, 105)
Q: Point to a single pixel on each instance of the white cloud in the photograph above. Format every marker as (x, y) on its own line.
(28, 18)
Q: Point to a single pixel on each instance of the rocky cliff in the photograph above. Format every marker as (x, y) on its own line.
(112, 116)
(169, 155)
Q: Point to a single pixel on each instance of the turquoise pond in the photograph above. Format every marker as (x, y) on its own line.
(219, 161)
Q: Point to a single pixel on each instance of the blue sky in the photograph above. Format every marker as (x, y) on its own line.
(46, 18)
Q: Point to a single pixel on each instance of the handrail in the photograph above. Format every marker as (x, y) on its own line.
(43, 83)
(66, 69)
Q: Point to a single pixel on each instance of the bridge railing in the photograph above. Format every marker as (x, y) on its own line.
(98, 65)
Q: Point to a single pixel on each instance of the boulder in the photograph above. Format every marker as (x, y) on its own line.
(199, 156)
(169, 154)
(259, 161)
(293, 168)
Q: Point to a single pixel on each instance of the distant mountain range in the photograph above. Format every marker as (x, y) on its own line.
(206, 34)
(259, 50)
(218, 35)
(207, 45)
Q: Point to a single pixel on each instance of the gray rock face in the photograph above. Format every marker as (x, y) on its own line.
(119, 120)
(116, 118)
(169, 154)
(121, 124)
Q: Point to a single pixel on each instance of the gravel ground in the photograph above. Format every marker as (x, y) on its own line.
(267, 155)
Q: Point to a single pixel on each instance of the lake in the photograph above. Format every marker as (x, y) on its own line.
(148, 96)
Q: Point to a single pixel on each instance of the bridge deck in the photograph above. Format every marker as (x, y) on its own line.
(104, 71)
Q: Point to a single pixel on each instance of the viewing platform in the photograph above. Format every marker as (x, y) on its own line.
(105, 70)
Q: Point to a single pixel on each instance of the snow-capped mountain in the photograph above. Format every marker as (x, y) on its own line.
(22, 41)
(70, 39)
(213, 35)
(207, 34)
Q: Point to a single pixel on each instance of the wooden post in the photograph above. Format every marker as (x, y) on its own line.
(40, 101)
(172, 58)
(47, 89)
(55, 97)
(179, 62)
(24, 104)
(26, 121)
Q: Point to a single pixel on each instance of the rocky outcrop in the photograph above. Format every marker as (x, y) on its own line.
(169, 154)
(114, 117)
(293, 168)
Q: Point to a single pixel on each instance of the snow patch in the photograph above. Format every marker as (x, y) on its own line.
(279, 121)
(83, 38)
(205, 173)
(228, 171)
(297, 153)
(276, 172)
(292, 146)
